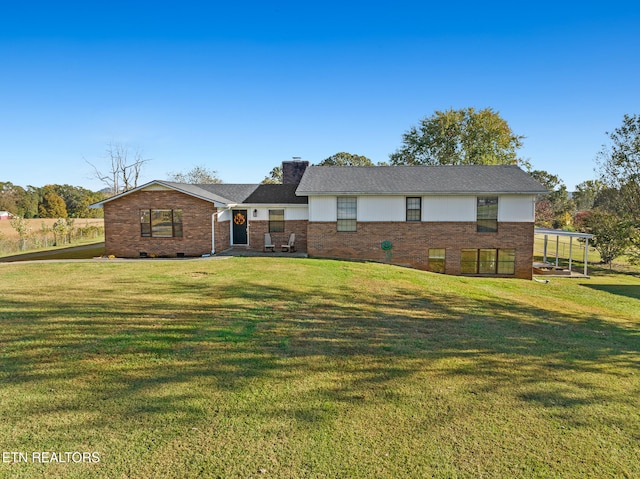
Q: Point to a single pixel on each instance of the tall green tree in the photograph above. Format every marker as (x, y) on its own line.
(339, 159)
(586, 193)
(77, 200)
(90, 198)
(10, 196)
(459, 137)
(28, 204)
(275, 176)
(619, 165)
(612, 237)
(52, 204)
(346, 159)
(553, 209)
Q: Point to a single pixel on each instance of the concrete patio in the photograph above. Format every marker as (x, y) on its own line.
(241, 251)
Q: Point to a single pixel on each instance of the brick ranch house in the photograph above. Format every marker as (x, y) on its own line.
(459, 220)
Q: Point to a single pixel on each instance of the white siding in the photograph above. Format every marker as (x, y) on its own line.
(512, 208)
(381, 208)
(516, 208)
(155, 187)
(449, 208)
(262, 213)
(225, 216)
(322, 208)
(300, 213)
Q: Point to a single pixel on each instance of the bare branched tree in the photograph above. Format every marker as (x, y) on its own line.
(124, 170)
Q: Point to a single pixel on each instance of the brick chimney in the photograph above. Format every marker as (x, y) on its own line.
(292, 171)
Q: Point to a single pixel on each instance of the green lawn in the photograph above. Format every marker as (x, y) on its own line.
(290, 368)
(80, 250)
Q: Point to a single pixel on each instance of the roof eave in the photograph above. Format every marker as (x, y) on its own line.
(216, 202)
(263, 205)
(417, 193)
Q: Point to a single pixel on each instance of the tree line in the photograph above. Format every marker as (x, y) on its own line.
(50, 201)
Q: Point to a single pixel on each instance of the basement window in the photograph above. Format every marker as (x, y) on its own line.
(488, 261)
(437, 259)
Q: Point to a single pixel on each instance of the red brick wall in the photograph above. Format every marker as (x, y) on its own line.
(257, 229)
(411, 242)
(122, 225)
(223, 235)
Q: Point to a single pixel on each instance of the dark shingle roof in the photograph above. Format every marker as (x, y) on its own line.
(243, 193)
(366, 180)
(276, 194)
(233, 193)
(200, 191)
(385, 180)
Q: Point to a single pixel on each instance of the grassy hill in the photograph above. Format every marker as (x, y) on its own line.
(287, 368)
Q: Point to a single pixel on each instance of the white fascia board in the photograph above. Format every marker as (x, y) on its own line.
(270, 205)
(100, 204)
(417, 193)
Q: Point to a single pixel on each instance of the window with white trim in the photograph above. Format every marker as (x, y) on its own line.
(347, 213)
(276, 221)
(487, 214)
(414, 209)
(161, 223)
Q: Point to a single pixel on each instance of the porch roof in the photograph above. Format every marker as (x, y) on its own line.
(552, 232)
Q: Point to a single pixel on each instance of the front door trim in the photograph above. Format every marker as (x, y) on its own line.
(239, 227)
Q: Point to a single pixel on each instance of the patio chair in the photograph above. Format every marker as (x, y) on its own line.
(268, 244)
(291, 245)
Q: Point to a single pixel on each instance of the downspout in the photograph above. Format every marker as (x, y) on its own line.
(213, 233)
(570, 252)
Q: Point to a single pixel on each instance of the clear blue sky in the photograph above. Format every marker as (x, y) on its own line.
(240, 86)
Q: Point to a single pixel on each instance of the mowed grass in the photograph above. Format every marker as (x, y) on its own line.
(81, 250)
(290, 368)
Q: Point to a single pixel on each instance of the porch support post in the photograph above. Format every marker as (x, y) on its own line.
(570, 252)
(213, 232)
(557, 247)
(544, 253)
(586, 255)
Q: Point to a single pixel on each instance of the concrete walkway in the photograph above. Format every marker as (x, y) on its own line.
(94, 252)
(239, 251)
(86, 251)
